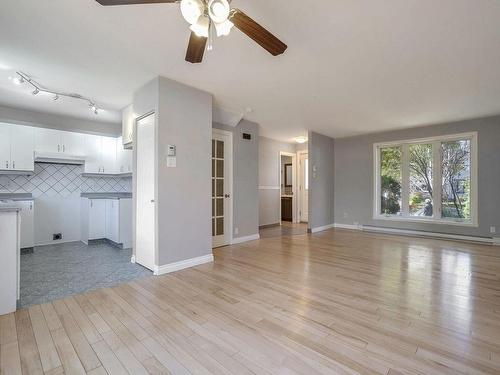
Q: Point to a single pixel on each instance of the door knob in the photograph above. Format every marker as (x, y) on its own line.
(227, 196)
(152, 200)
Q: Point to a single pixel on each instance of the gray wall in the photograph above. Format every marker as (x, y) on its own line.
(245, 178)
(183, 194)
(354, 176)
(53, 121)
(321, 180)
(269, 179)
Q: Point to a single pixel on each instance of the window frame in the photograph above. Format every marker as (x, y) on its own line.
(437, 180)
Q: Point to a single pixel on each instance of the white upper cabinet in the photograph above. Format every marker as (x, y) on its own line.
(21, 148)
(128, 126)
(123, 158)
(108, 155)
(16, 148)
(4, 146)
(47, 140)
(73, 143)
(93, 149)
(57, 141)
(100, 154)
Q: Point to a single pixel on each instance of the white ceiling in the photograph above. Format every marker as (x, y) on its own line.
(353, 66)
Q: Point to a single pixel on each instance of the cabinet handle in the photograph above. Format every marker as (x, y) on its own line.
(13, 165)
(64, 148)
(58, 148)
(7, 164)
(31, 206)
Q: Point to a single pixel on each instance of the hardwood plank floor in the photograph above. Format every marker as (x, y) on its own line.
(336, 302)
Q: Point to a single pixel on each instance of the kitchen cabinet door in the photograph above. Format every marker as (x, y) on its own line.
(108, 155)
(127, 125)
(112, 220)
(93, 153)
(22, 148)
(97, 219)
(73, 143)
(27, 223)
(47, 140)
(4, 146)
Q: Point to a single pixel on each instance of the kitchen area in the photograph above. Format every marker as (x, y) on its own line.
(65, 207)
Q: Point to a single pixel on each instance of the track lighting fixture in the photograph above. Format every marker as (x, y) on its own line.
(22, 77)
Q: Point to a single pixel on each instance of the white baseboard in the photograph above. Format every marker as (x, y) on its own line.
(253, 237)
(321, 229)
(348, 226)
(496, 241)
(56, 242)
(132, 259)
(419, 233)
(177, 266)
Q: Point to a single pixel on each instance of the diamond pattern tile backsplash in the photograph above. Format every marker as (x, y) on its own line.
(62, 180)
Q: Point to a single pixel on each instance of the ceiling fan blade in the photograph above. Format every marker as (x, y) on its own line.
(196, 48)
(256, 32)
(129, 2)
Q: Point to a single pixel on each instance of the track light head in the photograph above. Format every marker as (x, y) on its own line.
(56, 97)
(36, 91)
(18, 80)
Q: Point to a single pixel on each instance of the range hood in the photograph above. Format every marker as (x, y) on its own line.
(58, 158)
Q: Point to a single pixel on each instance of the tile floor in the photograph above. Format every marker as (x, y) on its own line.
(57, 271)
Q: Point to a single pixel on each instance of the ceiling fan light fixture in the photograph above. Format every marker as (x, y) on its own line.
(218, 10)
(223, 28)
(301, 140)
(200, 28)
(192, 10)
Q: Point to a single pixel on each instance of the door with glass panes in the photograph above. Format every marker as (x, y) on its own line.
(221, 187)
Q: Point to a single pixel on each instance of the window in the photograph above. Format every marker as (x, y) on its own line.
(430, 180)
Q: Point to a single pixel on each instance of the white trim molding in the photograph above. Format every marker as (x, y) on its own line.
(252, 237)
(419, 233)
(323, 228)
(183, 264)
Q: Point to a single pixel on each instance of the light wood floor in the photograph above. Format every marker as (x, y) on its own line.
(336, 302)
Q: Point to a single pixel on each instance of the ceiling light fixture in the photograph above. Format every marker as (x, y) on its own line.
(192, 10)
(301, 139)
(23, 77)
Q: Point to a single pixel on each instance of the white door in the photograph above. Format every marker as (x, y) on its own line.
(221, 188)
(93, 154)
(73, 143)
(47, 140)
(145, 221)
(22, 148)
(4, 146)
(108, 155)
(112, 219)
(97, 219)
(304, 187)
(27, 223)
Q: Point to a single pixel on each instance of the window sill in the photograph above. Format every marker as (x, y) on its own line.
(426, 221)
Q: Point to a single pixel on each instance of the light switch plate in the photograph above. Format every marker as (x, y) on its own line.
(171, 162)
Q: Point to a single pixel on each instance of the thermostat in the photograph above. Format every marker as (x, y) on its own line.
(171, 150)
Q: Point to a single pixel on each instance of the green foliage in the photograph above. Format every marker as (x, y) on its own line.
(391, 195)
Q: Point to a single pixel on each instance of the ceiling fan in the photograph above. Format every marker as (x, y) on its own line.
(207, 17)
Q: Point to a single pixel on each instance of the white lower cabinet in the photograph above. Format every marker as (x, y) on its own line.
(107, 219)
(27, 213)
(97, 219)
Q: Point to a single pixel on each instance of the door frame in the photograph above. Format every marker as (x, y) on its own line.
(299, 204)
(294, 183)
(134, 184)
(229, 158)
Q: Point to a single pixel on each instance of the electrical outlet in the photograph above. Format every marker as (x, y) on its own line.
(57, 236)
(345, 215)
(236, 230)
(493, 229)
